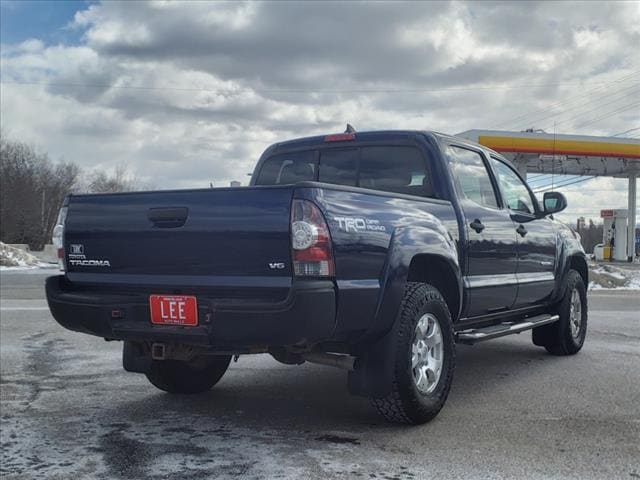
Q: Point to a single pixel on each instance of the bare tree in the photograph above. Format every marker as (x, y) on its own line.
(32, 189)
(121, 180)
(590, 235)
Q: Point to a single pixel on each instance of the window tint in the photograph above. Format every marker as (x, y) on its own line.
(395, 169)
(339, 167)
(516, 194)
(389, 168)
(471, 176)
(288, 168)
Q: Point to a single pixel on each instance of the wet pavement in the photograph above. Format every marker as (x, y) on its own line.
(68, 410)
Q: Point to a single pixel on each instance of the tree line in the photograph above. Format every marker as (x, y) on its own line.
(32, 189)
(590, 233)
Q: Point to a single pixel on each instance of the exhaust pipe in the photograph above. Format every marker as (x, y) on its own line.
(345, 362)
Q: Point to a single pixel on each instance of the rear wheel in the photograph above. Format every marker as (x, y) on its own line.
(424, 358)
(567, 335)
(195, 376)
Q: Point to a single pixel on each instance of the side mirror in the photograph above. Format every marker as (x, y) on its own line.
(554, 202)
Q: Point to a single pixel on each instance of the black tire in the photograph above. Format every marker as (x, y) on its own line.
(406, 403)
(558, 338)
(196, 376)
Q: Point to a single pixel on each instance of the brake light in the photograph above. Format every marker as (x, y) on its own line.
(58, 236)
(310, 241)
(340, 137)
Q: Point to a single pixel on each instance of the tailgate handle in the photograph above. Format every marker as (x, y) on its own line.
(168, 217)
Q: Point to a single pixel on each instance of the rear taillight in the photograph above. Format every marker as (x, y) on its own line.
(58, 237)
(310, 241)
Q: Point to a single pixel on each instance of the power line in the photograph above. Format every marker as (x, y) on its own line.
(598, 107)
(565, 101)
(583, 96)
(626, 131)
(594, 190)
(598, 190)
(610, 114)
(541, 178)
(285, 90)
(549, 187)
(605, 97)
(545, 177)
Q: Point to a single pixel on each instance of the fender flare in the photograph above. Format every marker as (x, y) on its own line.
(569, 253)
(374, 369)
(406, 244)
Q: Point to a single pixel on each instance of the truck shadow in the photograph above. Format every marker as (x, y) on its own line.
(260, 393)
(263, 410)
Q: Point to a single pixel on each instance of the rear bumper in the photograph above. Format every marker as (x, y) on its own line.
(307, 316)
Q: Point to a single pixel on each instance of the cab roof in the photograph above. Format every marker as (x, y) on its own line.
(379, 136)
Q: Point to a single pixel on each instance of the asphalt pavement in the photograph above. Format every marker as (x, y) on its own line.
(69, 411)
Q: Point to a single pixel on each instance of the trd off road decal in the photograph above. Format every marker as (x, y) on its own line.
(359, 224)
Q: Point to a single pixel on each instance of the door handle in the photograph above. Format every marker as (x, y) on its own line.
(521, 230)
(168, 217)
(477, 225)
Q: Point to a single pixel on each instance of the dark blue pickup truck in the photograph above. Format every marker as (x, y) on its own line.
(375, 252)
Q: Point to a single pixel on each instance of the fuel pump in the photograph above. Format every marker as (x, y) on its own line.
(614, 234)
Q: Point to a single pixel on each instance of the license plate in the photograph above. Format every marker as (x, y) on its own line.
(174, 310)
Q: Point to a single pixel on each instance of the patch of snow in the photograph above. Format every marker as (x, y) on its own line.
(12, 258)
(618, 275)
(613, 277)
(634, 283)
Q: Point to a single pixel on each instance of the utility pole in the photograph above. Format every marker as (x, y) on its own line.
(42, 225)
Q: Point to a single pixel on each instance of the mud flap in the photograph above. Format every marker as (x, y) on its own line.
(373, 373)
(135, 358)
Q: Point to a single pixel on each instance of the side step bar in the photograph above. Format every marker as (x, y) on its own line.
(475, 335)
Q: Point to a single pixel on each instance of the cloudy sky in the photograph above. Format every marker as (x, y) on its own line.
(188, 93)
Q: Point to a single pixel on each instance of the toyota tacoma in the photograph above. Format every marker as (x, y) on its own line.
(375, 252)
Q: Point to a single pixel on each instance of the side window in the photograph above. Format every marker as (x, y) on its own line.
(288, 168)
(395, 169)
(516, 194)
(339, 167)
(471, 176)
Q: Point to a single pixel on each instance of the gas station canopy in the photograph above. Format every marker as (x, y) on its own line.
(548, 153)
(563, 154)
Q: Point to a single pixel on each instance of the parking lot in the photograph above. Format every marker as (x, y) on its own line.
(68, 410)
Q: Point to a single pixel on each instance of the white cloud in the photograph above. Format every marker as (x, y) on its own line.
(192, 92)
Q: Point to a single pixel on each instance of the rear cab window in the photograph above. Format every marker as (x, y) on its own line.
(395, 169)
(389, 168)
(339, 166)
(286, 168)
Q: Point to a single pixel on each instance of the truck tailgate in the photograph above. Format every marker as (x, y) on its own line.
(230, 238)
